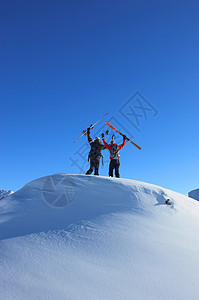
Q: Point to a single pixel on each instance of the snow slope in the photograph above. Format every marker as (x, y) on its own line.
(89, 237)
(194, 194)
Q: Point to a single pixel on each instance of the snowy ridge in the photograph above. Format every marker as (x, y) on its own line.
(194, 194)
(4, 193)
(87, 237)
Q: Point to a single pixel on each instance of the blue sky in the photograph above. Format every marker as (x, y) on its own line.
(66, 63)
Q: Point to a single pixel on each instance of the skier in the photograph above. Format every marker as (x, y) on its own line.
(94, 154)
(114, 155)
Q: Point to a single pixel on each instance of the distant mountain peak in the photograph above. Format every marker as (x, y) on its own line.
(194, 194)
(4, 193)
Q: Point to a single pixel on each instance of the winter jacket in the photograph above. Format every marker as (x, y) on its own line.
(96, 148)
(109, 147)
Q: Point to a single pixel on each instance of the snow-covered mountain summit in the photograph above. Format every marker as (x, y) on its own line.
(194, 194)
(4, 193)
(89, 237)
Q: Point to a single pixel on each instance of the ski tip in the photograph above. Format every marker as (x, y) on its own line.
(138, 147)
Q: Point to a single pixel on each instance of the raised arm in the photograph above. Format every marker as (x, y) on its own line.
(89, 135)
(106, 145)
(122, 145)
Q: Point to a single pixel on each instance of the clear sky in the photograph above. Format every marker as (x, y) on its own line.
(65, 63)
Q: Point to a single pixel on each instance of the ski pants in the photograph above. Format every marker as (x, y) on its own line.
(94, 164)
(114, 164)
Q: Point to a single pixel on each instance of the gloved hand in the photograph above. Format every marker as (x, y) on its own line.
(88, 130)
(102, 135)
(124, 137)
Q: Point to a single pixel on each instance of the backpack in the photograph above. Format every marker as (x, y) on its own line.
(114, 154)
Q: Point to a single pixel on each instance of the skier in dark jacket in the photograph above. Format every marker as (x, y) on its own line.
(94, 154)
(114, 156)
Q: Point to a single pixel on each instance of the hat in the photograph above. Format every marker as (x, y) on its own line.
(97, 139)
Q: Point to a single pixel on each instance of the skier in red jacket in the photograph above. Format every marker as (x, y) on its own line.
(114, 156)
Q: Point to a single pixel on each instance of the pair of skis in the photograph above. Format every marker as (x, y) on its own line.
(91, 127)
(111, 126)
(126, 138)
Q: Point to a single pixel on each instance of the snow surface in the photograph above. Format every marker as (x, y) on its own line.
(194, 194)
(90, 237)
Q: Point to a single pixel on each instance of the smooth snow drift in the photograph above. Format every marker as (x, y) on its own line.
(89, 237)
